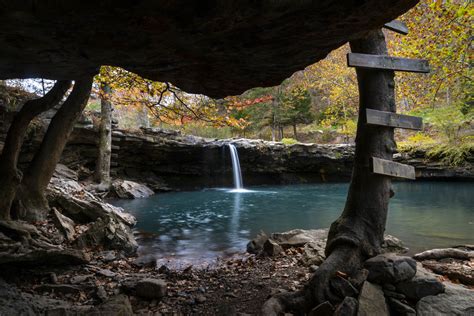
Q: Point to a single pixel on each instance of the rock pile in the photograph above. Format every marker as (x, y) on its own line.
(388, 284)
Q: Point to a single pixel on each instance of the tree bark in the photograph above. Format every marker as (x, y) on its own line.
(295, 132)
(10, 176)
(102, 169)
(358, 233)
(32, 204)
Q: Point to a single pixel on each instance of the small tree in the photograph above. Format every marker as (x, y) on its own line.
(297, 108)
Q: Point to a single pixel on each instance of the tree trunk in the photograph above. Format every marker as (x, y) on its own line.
(282, 135)
(295, 132)
(102, 169)
(358, 233)
(10, 176)
(32, 204)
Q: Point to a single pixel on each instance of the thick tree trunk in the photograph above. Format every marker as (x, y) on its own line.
(358, 233)
(32, 204)
(102, 169)
(10, 176)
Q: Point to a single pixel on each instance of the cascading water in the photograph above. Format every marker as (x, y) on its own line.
(238, 185)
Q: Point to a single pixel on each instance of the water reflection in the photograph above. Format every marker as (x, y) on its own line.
(235, 219)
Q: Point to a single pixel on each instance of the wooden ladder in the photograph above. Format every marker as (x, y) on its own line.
(390, 119)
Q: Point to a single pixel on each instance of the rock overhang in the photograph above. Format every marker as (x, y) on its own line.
(217, 48)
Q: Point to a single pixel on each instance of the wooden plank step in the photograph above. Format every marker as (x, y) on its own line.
(115, 147)
(397, 26)
(369, 61)
(114, 155)
(390, 119)
(113, 164)
(392, 169)
(116, 139)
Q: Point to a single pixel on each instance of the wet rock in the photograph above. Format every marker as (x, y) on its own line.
(392, 244)
(437, 254)
(64, 224)
(255, 246)
(131, 190)
(343, 287)
(419, 287)
(151, 289)
(313, 241)
(110, 234)
(348, 307)
(390, 268)
(372, 301)
(313, 268)
(400, 307)
(300, 237)
(457, 300)
(323, 309)
(271, 248)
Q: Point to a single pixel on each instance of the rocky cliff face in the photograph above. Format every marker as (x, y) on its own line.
(176, 161)
(167, 159)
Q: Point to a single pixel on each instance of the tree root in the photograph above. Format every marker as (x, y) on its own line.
(344, 260)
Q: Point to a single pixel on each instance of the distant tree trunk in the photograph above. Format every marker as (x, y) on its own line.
(358, 233)
(273, 132)
(281, 132)
(32, 204)
(294, 131)
(10, 176)
(102, 168)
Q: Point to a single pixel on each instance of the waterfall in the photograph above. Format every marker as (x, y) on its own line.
(236, 167)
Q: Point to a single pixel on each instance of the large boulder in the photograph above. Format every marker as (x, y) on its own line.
(153, 289)
(110, 234)
(390, 268)
(457, 300)
(145, 287)
(255, 246)
(131, 190)
(417, 288)
(300, 237)
(88, 210)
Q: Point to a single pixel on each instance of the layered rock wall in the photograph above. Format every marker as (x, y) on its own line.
(168, 160)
